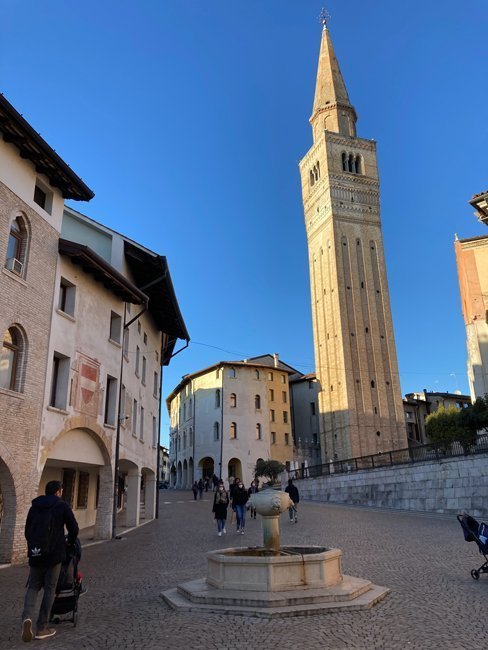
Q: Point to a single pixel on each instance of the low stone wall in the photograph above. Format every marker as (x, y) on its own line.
(447, 486)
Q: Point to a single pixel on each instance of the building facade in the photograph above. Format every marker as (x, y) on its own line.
(226, 417)
(417, 406)
(359, 400)
(304, 390)
(89, 318)
(472, 265)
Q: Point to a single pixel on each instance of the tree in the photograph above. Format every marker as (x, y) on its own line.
(472, 419)
(269, 468)
(443, 427)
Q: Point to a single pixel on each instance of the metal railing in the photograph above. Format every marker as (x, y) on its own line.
(422, 453)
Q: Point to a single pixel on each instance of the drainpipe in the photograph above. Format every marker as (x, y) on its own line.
(119, 420)
(221, 425)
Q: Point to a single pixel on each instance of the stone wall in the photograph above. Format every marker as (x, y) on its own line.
(449, 486)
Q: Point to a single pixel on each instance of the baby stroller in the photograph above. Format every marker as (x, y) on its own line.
(475, 532)
(69, 587)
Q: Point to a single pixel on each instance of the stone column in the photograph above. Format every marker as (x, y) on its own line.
(150, 500)
(133, 497)
(271, 533)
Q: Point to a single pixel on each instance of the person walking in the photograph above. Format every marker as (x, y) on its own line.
(200, 488)
(194, 489)
(46, 547)
(252, 490)
(220, 505)
(239, 499)
(206, 482)
(295, 497)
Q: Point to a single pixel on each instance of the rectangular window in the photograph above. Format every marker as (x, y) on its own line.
(144, 364)
(110, 401)
(272, 415)
(271, 395)
(312, 408)
(287, 438)
(285, 417)
(138, 355)
(115, 327)
(83, 485)
(145, 338)
(315, 438)
(310, 385)
(270, 376)
(283, 379)
(40, 197)
(60, 381)
(68, 480)
(141, 425)
(66, 301)
(284, 396)
(155, 384)
(134, 418)
(155, 431)
(273, 438)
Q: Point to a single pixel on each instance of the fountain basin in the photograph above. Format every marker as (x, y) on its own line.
(259, 569)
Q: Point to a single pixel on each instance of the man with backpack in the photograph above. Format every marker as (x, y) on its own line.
(46, 547)
(292, 490)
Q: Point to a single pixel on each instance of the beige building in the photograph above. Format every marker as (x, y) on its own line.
(472, 265)
(89, 318)
(34, 181)
(226, 417)
(417, 406)
(360, 403)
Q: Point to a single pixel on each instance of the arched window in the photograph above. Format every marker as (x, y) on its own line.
(217, 398)
(184, 411)
(233, 400)
(216, 433)
(259, 435)
(357, 165)
(232, 373)
(256, 374)
(312, 178)
(344, 161)
(17, 247)
(350, 163)
(372, 383)
(257, 401)
(11, 360)
(233, 430)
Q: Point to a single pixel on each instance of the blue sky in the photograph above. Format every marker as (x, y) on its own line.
(188, 120)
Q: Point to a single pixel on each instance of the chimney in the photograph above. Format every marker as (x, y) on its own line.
(276, 358)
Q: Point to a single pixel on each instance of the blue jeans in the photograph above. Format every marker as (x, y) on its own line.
(41, 577)
(220, 525)
(241, 516)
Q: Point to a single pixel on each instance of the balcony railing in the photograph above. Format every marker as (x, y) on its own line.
(422, 453)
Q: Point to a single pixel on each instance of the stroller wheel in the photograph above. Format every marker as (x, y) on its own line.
(475, 574)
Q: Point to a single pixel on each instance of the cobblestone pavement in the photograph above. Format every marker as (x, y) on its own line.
(434, 603)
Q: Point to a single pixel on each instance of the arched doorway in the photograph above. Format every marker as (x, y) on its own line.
(79, 459)
(172, 476)
(184, 483)
(8, 509)
(234, 468)
(190, 472)
(206, 467)
(178, 475)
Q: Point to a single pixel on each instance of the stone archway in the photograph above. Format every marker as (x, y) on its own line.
(184, 480)
(178, 475)
(130, 485)
(234, 468)
(79, 456)
(16, 494)
(172, 476)
(190, 472)
(206, 467)
(148, 492)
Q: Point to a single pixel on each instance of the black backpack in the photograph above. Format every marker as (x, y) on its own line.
(40, 534)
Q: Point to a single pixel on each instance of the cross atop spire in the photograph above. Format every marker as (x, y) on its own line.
(332, 110)
(324, 17)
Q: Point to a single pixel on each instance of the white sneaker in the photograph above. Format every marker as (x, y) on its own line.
(242, 532)
(238, 530)
(219, 534)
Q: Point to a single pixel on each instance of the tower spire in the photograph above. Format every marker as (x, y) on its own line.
(332, 110)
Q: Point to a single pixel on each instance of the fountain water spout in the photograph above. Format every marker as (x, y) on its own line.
(270, 504)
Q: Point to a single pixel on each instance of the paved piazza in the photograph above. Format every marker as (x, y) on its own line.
(434, 603)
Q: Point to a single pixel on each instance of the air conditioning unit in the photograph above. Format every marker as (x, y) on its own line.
(14, 265)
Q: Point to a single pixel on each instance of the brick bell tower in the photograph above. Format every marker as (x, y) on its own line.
(360, 403)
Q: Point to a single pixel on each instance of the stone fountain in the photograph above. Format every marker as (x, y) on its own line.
(273, 580)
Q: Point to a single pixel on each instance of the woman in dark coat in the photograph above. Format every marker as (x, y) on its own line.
(239, 500)
(220, 504)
